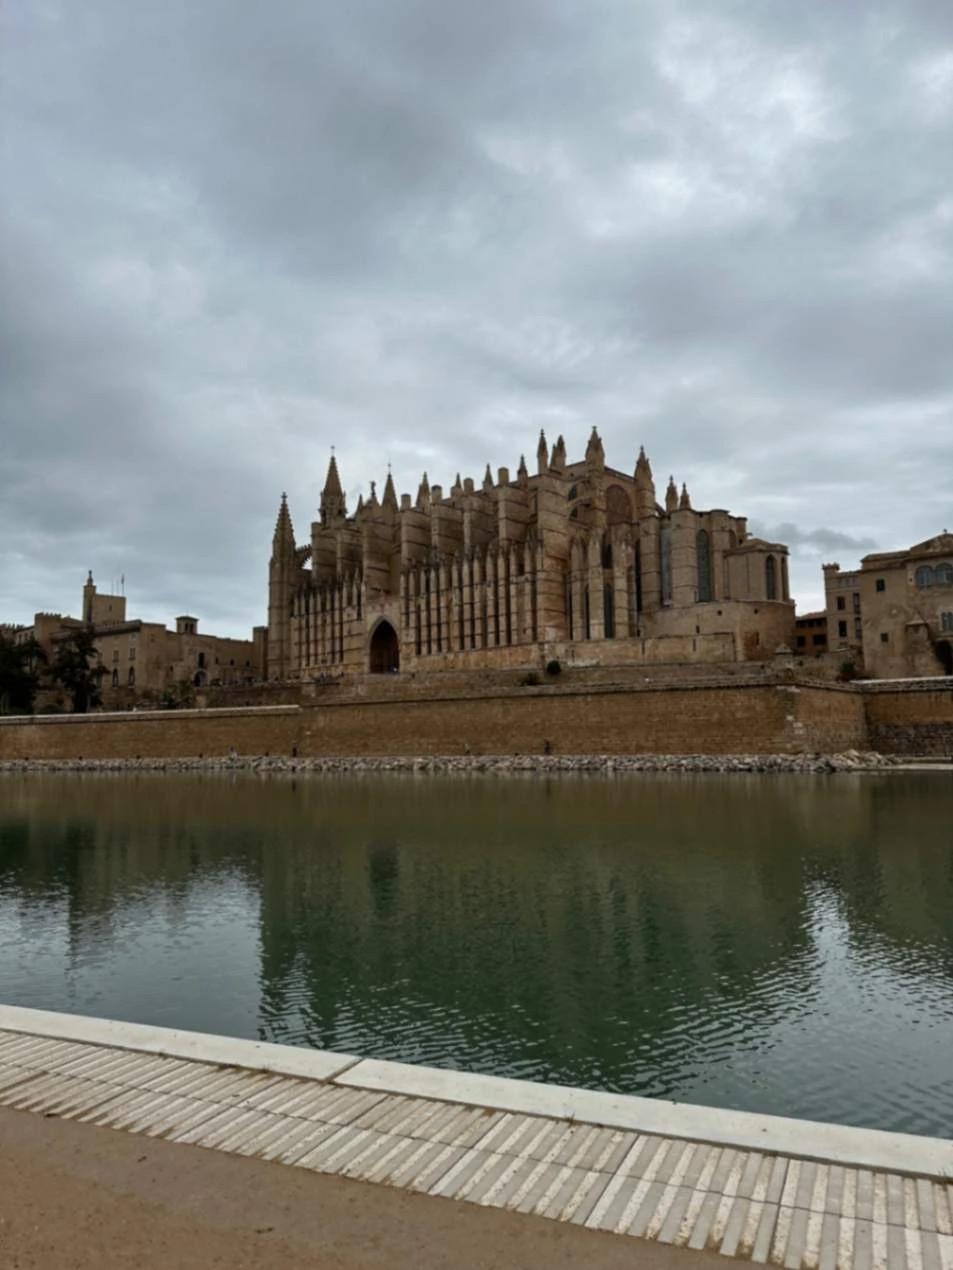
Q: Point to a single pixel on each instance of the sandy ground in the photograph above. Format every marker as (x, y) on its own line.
(74, 1197)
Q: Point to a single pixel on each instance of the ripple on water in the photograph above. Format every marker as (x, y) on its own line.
(774, 946)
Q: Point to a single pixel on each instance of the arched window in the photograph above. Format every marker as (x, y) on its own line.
(608, 611)
(944, 574)
(770, 578)
(925, 577)
(665, 562)
(606, 554)
(618, 506)
(703, 561)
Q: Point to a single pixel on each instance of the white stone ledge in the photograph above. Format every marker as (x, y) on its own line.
(774, 1135)
(199, 1047)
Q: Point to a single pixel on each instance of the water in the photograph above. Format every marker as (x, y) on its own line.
(780, 944)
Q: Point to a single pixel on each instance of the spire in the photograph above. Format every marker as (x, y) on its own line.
(390, 494)
(423, 494)
(684, 503)
(283, 542)
(643, 468)
(373, 501)
(487, 479)
(522, 473)
(644, 487)
(595, 454)
(457, 486)
(332, 496)
(542, 453)
(671, 496)
(557, 460)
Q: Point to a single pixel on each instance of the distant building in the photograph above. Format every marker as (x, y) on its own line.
(810, 633)
(577, 562)
(140, 658)
(897, 610)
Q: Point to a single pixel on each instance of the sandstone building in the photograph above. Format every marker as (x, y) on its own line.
(141, 659)
(896, 611)
(576, 562)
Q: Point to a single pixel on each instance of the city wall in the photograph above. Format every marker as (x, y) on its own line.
(732, 718)
(912, 717)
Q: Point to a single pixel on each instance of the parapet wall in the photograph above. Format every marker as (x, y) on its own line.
(731, 718)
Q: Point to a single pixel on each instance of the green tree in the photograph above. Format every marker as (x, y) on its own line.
(19, 674)
(74, 667)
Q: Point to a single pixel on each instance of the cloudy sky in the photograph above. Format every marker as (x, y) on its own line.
(236, 233)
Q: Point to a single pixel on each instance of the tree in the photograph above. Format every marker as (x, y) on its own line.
(74, 667)
(19, 674)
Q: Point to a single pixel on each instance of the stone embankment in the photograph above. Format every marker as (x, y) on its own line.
(495, 764)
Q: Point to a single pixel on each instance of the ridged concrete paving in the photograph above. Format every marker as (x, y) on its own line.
(263, 1101)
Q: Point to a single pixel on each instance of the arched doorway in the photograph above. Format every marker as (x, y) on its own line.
(944, 652)
(385, 650)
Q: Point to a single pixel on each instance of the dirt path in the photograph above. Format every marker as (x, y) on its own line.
(74, 1197)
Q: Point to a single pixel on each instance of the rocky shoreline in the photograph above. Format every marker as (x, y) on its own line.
(497, 765)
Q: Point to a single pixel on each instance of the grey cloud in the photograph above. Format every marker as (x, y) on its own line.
(422, 231)
(821, 541)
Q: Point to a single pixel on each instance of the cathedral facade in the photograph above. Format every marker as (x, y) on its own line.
(577, 562)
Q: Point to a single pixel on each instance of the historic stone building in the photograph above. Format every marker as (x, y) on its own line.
(576, 562)
(896, 610)
(141, 659)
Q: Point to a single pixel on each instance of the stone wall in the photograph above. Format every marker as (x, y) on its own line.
(736, 718)
(151, 734)
(910, 718)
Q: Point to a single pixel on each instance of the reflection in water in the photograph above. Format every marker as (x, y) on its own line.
(780, 944)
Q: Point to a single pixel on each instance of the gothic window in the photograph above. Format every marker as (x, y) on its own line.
(618, 506)
(606, 554)
(703, 559)
(944, 574)
(665, 562)
(770, 578)
(925, 577)
(608, 612)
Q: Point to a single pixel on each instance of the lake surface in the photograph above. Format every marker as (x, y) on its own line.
(780, 944)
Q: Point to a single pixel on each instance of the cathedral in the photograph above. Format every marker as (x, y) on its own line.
(576, 563)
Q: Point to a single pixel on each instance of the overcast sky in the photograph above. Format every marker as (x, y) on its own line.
(236, 233)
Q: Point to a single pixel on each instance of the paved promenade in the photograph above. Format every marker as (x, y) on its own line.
(765, 1189)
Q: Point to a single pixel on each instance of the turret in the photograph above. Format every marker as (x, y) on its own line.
(644, 487)
(282, 572)
(333, 506)
(542, 453)
(557, 460)
(595, 454)
(423, 494)
(671, 496)
(684, 503)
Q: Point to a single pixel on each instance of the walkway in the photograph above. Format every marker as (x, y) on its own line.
(762, 1188)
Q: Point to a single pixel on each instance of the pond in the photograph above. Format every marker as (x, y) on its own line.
(776, 943)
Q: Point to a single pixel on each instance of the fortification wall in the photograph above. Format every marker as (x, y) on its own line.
(675, 719)
(912, 717)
